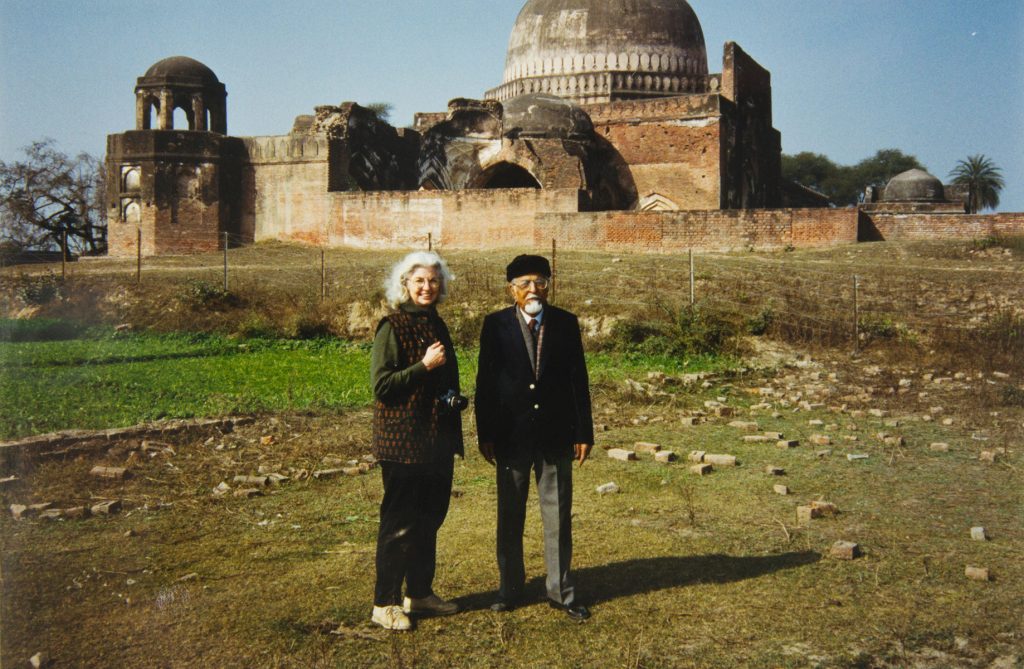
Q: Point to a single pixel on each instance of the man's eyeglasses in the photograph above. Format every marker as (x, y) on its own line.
(523, 284)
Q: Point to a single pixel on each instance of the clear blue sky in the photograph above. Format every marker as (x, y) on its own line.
(939, 79)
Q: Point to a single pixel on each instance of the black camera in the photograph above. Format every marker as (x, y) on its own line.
(452, 402)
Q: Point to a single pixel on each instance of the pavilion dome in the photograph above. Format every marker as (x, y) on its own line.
(914, 186)
(658, 45)
(181, 68)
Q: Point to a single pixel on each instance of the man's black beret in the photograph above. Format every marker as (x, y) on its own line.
(527, 264)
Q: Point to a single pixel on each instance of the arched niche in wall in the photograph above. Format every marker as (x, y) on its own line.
(132, 213)
(505, 175)
(131, 178)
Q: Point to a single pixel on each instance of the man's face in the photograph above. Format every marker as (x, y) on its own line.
(530, 292)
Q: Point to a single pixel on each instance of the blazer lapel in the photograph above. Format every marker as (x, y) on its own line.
(518, 336)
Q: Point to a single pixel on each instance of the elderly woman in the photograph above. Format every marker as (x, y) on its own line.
(417, 431)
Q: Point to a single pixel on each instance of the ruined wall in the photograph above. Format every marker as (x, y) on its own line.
(751, 147)
(285, 187)
(180, 189)
(459, 219)
(671, 146)
(879, 226)
(677, 231)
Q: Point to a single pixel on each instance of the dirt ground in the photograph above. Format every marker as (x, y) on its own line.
(680, 570)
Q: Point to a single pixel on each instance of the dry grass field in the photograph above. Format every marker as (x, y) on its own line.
(680, 570)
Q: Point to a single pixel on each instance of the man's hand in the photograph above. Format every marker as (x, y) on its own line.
(487, 450)
(582, 451)
(434, 357)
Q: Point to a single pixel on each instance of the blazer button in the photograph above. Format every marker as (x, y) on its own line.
(536, 406)
(533, 386)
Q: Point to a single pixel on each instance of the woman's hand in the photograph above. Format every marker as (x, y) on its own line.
(434, 357)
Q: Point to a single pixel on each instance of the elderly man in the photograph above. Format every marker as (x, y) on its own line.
(533, 414)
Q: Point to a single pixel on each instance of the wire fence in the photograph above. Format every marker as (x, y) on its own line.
(835, 299)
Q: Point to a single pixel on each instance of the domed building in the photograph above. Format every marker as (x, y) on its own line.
(914, 186)
(604, 106)
(605, 50)
(912, 192)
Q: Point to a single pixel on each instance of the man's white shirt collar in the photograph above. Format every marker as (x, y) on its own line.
(526, 317)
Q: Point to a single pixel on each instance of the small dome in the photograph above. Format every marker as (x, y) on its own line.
(181, 67)
(540, 115)
(914, 186)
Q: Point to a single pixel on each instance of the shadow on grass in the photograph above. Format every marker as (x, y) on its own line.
(607, 582)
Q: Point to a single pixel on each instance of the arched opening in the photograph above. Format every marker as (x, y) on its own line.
(506, 175)
(151, 114)
(181, 120)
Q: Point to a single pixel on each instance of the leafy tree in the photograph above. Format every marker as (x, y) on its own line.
(878, 169)
(984, 178)
(813, 170)
(842, 184)
(49, 193)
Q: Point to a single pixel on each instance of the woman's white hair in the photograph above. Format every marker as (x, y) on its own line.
(395, 290)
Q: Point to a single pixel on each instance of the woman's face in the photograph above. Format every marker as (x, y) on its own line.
(424, 286)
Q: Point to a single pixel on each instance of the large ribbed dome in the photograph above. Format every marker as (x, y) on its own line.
(602, 50)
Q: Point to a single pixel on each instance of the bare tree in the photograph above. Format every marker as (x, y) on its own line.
(50, 193)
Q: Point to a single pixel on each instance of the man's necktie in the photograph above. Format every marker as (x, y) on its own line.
(534, 328)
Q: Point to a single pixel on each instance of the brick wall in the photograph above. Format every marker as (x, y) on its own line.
(458, 219)
(924, 226)
(675, 231)
(679, 161)
(285, 189)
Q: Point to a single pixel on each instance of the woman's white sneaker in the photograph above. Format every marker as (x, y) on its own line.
(432, 604)
(391, 617)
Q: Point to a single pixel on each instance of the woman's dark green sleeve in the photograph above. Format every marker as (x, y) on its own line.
(386, 378)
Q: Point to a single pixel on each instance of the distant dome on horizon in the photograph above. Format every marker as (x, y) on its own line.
(914, 185)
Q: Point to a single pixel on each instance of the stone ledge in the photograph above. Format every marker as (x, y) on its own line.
(14, 454)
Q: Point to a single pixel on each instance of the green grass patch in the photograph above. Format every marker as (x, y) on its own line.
(113, 381)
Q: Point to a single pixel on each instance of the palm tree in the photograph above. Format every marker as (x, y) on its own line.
(984, 178)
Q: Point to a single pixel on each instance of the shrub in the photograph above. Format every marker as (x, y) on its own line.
(257, 326)
(881, 327)
(1012, 396)
(696, 331)
(38, 329)
(37, 291)
(206, 295)
(759, 324)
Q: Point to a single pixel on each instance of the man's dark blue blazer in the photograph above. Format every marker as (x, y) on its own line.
(519, 412)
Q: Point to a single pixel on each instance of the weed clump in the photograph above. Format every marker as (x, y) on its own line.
(39, 290)
(200, 294)
(695, 331)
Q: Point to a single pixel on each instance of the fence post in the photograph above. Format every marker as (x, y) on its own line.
(225, 262)
(323, 276)
(856, 316)
(692, 291)
(64, 254)
(138, 255)
(554, 265)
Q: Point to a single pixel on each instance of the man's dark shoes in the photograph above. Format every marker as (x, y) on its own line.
(574, 611)
(502, 606)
